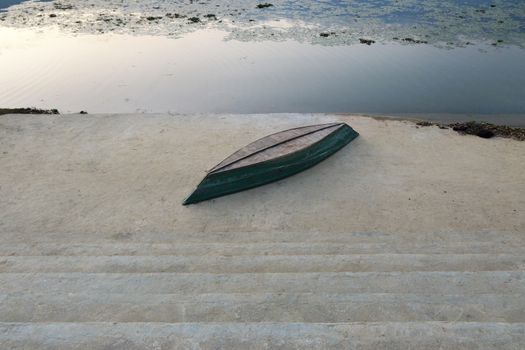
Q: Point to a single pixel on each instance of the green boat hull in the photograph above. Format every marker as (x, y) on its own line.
(227, 182)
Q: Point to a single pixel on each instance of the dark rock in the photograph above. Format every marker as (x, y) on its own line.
(52, 15)
(415, 41)
(174, 15)
(366, 41)
(459, 127)
(265, 5)
(486, 134)
(28, 111)
(481, 129)
(194, 19)
(60, 6)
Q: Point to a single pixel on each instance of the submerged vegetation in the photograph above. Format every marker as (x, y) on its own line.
(409, 22)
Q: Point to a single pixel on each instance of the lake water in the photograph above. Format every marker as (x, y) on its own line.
(438, 60)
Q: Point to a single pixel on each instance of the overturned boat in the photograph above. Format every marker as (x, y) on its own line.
(272, 158)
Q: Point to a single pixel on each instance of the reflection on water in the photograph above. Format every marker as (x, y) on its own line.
(201, 72)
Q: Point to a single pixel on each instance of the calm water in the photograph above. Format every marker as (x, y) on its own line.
(296, 56)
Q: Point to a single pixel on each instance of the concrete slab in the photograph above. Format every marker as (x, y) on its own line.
(410, 237)
(120, 176)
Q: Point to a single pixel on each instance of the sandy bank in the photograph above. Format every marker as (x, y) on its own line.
(126, 175)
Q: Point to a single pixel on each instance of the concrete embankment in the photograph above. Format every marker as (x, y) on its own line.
(410, 237)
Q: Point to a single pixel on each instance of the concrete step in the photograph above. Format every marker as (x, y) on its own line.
(255, 237)
(383, 335)
(467, 283)
(261, 307)
(405, 246)
(261, 264)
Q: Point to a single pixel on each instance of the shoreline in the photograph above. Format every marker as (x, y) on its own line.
(468, 127)
(516, 120)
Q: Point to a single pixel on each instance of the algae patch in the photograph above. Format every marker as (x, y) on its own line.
(436, 22)
(480, 129)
